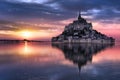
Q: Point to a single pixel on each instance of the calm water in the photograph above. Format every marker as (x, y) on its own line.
(46, 61)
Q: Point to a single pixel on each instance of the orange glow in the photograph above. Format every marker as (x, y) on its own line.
(26, 34)
(26, 50)
(111, 54)
(35, 34)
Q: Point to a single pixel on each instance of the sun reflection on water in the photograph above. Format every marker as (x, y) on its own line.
(27, 50)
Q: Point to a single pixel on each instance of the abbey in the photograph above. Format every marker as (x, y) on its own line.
(79, 24)
(82, 31)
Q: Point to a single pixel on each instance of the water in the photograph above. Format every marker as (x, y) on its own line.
(46, 61)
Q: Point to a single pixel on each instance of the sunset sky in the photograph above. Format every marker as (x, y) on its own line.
(43, 19)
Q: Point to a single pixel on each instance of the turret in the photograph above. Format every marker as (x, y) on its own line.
(79, 17)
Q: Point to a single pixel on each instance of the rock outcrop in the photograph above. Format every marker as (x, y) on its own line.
(82, 31)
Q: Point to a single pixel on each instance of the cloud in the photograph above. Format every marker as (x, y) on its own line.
(17, 26)
(88, 4)
(56, 11)
(106, 7)
(60, 9)
(32, 10)
(29, 1)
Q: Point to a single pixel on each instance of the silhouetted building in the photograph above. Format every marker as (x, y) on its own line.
(81, 31)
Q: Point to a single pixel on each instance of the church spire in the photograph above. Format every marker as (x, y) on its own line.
(79, 17)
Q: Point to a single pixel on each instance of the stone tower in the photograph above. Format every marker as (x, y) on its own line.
(79, 16)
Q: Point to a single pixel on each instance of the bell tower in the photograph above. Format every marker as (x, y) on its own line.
(79, 17)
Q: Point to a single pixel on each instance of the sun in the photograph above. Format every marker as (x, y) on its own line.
(26, 34)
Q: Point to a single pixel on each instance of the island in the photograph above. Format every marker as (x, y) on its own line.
(81, 31)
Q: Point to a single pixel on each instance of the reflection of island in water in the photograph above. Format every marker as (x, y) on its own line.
(81, 54)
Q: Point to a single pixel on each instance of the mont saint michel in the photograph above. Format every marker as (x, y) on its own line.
(82, 31)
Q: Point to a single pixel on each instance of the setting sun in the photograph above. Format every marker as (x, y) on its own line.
(26, 34)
